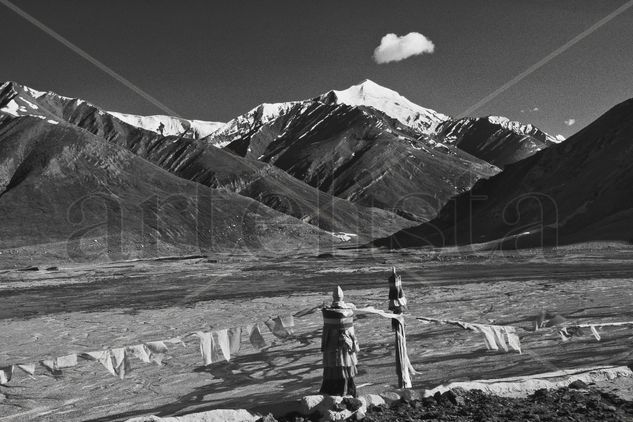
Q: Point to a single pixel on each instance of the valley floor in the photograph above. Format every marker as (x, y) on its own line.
(91, 307)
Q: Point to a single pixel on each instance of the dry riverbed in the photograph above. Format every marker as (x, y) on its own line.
(80, 307)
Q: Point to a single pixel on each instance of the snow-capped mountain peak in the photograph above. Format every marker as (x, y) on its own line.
(370, 94)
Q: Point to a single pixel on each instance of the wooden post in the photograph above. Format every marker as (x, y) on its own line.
(398, 304)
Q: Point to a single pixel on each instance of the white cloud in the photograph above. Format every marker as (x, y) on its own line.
(570, 122)
(393, 48)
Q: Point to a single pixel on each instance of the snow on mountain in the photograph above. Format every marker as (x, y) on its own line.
(250, 122)
(518, 127)
(370, 94)
(18, 100)
(171, 125)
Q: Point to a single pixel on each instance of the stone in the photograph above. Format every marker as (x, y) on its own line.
(578, 385)
(374, 400)
(409, 395)
(319, 404)
(352, 403)
(218, 415)
(310, 403)
(390, 397)
(334, 415)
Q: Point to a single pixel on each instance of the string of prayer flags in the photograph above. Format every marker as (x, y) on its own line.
(495, 336)
(255, 337)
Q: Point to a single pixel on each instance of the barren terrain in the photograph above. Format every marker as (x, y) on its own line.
(90, 307)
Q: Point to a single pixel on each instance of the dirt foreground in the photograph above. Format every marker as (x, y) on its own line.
(92, 307)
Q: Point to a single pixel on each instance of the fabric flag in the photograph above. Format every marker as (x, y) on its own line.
(139, 351)
(206, 345)
(67, 361)
(103, 357)
(49, 364)
(121, 361)
(176, 340)
(56, 365)
(29, 368)
(373, 310)
(595, 332)
(513, 338)
(235, 339)
(157, 350)
(499, 333)
(281, 327)
(255, 337)
(489, 336)
(6, 373)
(222, 342)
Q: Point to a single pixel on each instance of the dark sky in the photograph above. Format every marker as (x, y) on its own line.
(213, 60)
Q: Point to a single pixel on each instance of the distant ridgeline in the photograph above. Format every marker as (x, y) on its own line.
(345, 167)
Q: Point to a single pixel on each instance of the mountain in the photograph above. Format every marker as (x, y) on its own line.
(174, 126)
(357, 153)
(394, 105)
(347, 143)
(498, 140)
(576, 191)
(63, 185)
(201, 162)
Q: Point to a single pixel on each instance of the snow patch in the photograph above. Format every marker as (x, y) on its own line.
(30, 104)
(345, 237)
(11, 108)
(172, 126)
(33, 92)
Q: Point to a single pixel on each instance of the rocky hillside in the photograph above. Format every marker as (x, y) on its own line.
(357, 153)
(576, 191)
(494, 139)
(201, 162)
(60, 183)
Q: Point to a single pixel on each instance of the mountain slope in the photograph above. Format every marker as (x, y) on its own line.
(359, 154)
(201, 162)
(576, 191)
(494, 139)
(60, 183)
